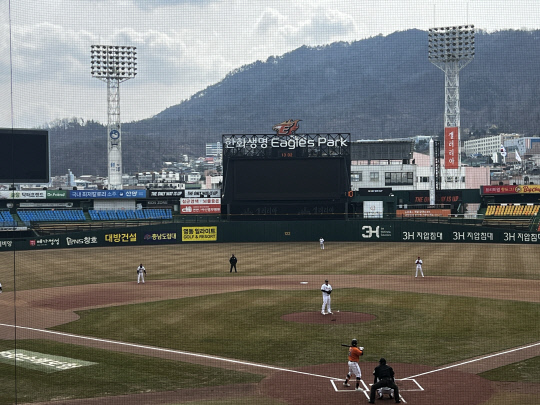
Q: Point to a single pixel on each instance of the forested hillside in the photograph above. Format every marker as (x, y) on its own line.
(381, 87)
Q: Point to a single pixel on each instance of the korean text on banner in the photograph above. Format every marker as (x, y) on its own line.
(451, 148)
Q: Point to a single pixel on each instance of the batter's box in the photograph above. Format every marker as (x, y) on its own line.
(338, 386)
(409, 384)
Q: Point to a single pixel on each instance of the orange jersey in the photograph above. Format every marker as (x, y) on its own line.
(355, 353)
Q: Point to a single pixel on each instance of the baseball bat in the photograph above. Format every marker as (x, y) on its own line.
(346, 345)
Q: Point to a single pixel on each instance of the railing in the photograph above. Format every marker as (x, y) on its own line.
(49, 228)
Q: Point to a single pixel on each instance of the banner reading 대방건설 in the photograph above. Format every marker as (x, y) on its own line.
(199, 233)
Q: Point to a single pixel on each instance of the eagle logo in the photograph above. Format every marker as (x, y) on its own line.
(286, 127)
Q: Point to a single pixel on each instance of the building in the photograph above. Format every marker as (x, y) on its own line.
(488, 145)
(393, 163)
(213, 149)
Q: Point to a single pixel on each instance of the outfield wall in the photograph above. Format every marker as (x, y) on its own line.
(373, 230)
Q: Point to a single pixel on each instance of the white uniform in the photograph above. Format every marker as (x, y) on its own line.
(419, 267)
(326, 290)
(0, 288)
(140, 274)
(321, 241)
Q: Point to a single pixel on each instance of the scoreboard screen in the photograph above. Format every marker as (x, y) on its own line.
(24, 156)
(286, 179)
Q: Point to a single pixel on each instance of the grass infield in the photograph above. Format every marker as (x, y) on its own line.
(410, 327)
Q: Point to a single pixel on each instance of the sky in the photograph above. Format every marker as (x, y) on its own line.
(185, 46)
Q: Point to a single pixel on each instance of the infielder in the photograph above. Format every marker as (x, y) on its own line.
(354, 368)
(326, 300)
(141, 272)
(321, 241)
(419, 267)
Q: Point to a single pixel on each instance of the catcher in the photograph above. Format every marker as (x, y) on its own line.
(354, 368)
(141, 272)
(383, 377)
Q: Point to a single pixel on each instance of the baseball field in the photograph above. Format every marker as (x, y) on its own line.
(77, 328)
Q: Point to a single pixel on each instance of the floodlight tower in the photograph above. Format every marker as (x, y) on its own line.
(451, 49)
(114, 64)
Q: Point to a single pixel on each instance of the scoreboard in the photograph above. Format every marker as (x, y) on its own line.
(295, 168)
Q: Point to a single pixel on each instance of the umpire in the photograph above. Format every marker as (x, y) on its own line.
(384, 377)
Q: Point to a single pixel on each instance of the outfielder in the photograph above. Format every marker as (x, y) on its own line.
(321, 241)
(326, 300)
(141, 272)
(354, 368)
(419, 267)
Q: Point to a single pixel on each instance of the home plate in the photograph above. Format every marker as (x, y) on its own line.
(303, 282)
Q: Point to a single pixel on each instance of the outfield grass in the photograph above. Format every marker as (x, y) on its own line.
(77, 266)
(410, 327)
(115, 374)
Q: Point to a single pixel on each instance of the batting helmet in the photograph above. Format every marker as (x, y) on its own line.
(354, 342)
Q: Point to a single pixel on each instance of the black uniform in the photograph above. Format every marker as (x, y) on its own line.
(233, 261)
(383, 377)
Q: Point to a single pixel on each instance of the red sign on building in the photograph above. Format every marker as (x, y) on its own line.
(451, 148)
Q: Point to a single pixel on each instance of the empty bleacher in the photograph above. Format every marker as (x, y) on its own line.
(56, 215)
(7, 220)
(121, 215)
(514, 216)
(512, 210)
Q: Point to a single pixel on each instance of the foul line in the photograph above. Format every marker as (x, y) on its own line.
(474, 360)
(115, 342)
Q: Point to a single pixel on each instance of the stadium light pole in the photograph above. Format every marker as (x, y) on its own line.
(451, 49)
(113, 65)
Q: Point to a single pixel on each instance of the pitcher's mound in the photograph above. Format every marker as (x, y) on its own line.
(336, 317)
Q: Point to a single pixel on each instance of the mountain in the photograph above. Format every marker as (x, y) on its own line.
(377, 88)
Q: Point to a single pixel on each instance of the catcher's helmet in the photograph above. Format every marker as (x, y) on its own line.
(354, 342)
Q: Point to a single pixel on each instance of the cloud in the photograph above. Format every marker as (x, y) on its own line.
(315, 26)
(152, 4)
(186, 45)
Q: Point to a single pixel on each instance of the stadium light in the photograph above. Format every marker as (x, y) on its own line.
(113, 65)
(451, 49)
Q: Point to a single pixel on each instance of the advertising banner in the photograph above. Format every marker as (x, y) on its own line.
(159, 237)
(441, 197)
(199, 233)
(57, 194)
(451, 148)
(23, 195)
(46, 363)
(385, 191)
(522, 189)
(124, 237)
(200, 206)
(498, 189)
(423, 213)
(165, 193)
(373, 209)
(107, 194)
(202, 193)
